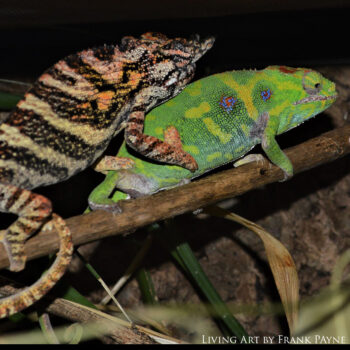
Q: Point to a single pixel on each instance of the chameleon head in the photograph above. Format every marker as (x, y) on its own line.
(306, 91)
(179, 57)
(167, 65)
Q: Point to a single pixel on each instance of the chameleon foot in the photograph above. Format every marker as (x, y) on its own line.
(287, 176)
(99, 197)
(249, 159)
(260, 159)
(108, 163)
(154, 148)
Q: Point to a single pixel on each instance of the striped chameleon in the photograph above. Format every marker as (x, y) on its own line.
(66, 121)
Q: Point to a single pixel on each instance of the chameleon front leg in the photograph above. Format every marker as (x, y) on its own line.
(32, 210)
(154, 148)
(109, 166)
(108, 163)
(273, 150)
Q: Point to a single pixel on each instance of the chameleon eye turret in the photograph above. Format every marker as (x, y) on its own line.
(316, 95)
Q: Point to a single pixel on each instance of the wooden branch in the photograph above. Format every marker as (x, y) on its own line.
(143, 211)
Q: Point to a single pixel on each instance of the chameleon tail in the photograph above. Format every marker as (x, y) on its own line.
(28, 296)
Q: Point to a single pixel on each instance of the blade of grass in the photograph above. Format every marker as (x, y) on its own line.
(46, 328)
(72, 294)
(74, 333)
(8, 101)
(149, 297)
(146, 286)
(183, 254)
(104, 285)
(280, 261)
(135, 263)
(328, 313)
(67, 291)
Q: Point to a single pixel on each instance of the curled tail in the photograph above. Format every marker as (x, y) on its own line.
(28, 296)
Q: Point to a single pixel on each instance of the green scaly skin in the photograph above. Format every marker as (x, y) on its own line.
(219, 119)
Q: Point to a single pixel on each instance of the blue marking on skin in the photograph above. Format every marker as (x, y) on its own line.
(228, 103)
(266, 94)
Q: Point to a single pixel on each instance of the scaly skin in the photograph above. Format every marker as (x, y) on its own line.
(219, 119)
(66, 121)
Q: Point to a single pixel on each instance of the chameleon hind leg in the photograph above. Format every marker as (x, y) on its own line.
(254, 157)
(32, 210)
(108, 163)
(99, 197)
(154, 148)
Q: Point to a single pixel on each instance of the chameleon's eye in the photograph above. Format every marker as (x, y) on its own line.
(315, 89)
(312, 83)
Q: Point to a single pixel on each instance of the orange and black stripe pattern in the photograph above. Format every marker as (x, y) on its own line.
(65, 122)
(69, 116)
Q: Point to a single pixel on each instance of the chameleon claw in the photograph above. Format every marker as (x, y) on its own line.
(259, 158)
(287, 176)
(190, 164)
(198, 211)
(108, 163)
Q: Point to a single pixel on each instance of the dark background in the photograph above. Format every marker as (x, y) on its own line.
(249, 34)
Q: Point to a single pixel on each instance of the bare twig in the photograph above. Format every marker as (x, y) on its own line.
(140, 212)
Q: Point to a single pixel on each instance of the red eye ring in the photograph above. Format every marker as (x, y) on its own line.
(287, 70)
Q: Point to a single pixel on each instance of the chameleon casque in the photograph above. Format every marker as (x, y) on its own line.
(218, 119)
(66, 121)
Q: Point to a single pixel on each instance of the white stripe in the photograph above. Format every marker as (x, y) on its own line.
(22, 174)
(87, 133)
(80, 90)
(15, 139)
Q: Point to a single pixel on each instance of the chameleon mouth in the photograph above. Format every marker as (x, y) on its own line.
(313, 98)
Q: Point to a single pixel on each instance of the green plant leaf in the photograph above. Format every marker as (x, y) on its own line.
(183, 254)
(9, 101)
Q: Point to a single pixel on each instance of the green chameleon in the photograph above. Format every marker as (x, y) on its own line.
(217, 120)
